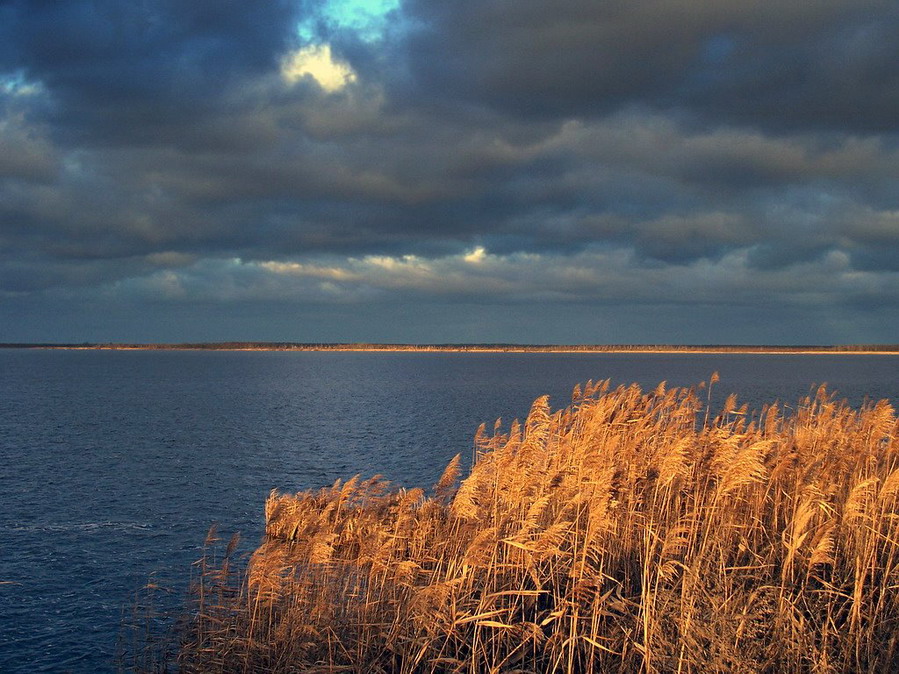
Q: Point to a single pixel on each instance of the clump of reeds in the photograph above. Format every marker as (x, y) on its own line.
(628, 532)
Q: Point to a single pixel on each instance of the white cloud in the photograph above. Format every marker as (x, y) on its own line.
(316, 61)
(308, 270)
(479, 254)
(603, 277)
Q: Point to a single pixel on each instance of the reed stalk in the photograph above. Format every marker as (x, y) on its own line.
(628, 532)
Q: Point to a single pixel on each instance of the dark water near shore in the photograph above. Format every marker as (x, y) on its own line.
(113, 464)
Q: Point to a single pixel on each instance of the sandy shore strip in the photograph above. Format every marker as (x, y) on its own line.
(478, 348)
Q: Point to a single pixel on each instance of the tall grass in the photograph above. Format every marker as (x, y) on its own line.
(628, 532)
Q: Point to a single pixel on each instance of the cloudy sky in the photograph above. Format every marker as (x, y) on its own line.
(566, 171)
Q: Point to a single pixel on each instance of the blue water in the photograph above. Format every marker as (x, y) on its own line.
(113, 464)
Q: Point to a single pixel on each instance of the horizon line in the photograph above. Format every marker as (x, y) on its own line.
(252, 345)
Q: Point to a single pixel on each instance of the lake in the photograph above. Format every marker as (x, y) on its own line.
(113, 464)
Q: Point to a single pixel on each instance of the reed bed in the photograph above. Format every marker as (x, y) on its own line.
(629, 532)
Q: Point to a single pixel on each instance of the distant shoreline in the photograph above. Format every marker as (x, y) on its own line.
(849, 349)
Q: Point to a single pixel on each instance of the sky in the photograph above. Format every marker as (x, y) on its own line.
(424, 171)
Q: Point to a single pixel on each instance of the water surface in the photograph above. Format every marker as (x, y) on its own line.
(113, 464)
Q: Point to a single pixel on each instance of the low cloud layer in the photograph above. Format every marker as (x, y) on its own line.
(643, 172)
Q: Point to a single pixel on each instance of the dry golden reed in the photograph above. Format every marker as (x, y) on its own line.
(628, 532)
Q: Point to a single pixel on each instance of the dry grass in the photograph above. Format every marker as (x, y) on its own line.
(629, 532)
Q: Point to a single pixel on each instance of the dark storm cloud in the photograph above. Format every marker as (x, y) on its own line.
(492, 153)
(814, 63)
(123, 71)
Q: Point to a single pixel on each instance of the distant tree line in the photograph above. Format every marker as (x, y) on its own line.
(548, 348)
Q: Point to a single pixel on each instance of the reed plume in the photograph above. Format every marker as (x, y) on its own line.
(629, 532)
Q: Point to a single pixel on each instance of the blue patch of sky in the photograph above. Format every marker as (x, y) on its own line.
(16, 84)
(368, 19)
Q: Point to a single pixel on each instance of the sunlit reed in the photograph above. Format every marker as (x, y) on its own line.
(630, 531)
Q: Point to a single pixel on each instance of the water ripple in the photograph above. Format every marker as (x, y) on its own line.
(116, 463)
